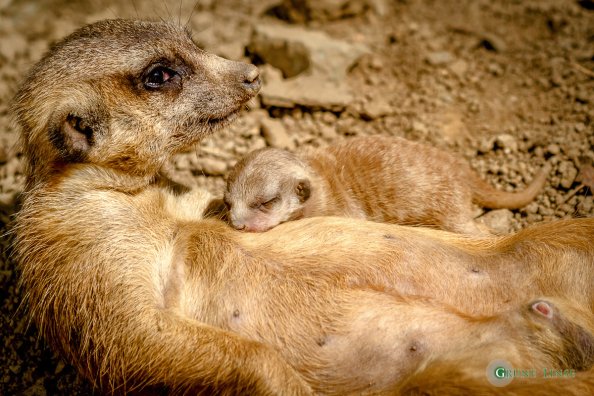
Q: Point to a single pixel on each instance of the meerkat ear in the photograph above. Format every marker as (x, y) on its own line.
(74, 136)
(303, 190)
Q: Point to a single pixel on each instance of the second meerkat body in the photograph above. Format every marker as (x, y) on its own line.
(383, 179)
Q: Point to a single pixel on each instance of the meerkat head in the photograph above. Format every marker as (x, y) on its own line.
(267, 187)
(126, 95)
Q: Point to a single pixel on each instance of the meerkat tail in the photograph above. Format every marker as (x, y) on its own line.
(488, 196)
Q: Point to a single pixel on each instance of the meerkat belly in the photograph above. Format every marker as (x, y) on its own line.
(353, 341)
(378, 343)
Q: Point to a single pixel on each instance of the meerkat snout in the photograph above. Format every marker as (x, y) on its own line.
(251, 78)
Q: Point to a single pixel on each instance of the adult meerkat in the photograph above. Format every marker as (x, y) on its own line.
(127, 281)
(385, 179)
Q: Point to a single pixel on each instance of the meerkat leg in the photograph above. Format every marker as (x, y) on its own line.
(234, 363)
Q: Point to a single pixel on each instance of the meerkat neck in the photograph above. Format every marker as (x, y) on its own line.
(98, 178)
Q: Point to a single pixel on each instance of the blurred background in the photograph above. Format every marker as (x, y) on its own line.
(506, 84)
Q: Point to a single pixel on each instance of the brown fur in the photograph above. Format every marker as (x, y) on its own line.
(378, 178)
(127, 281)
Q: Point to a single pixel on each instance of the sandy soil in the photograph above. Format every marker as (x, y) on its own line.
(505, 84)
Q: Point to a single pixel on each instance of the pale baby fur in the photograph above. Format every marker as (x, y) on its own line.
(385, 179)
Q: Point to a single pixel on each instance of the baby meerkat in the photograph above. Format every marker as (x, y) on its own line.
(383, 179)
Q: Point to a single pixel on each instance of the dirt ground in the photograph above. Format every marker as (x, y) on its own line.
(507, 84)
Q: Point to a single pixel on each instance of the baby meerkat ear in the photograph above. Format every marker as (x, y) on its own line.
(74, 136)
(303, 190)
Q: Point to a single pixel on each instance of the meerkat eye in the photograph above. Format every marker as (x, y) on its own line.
(268, 204)
(159, 76)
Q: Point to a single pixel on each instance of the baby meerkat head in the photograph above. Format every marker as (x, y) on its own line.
(126, 95)
(267, 187)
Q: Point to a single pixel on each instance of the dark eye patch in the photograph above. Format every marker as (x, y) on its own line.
(160, 76)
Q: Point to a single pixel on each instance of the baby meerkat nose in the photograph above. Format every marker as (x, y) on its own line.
(251, 78)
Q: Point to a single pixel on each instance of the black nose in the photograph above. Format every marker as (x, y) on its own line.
(251, 78)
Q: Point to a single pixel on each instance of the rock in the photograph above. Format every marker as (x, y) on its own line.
(328, 118)
(533, 218)
(59, 367)
(459, 67)
(212, 166)
(328, 132)
(270, 74)
(565, 208)
(553, 149)
(486, 145)
(568, 174)
(325, 10)
(452, 128)
(317, 63)
(376, 108)
(276, 135)
(380, 7)
(5, 275)
(579, 127)
(376, 63)
(532, 208)
(309, 91)
(587, 204)
(499, 221)
(492, 42)
(284, 52)
(495, 69)
(295, 50)
(252, 127)
(183, 162)
(419, 127)
(37, 389)
(8, 199)
(439, 58)
(257, 144)
(583, 95)
(13, 166)
(507, 142)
